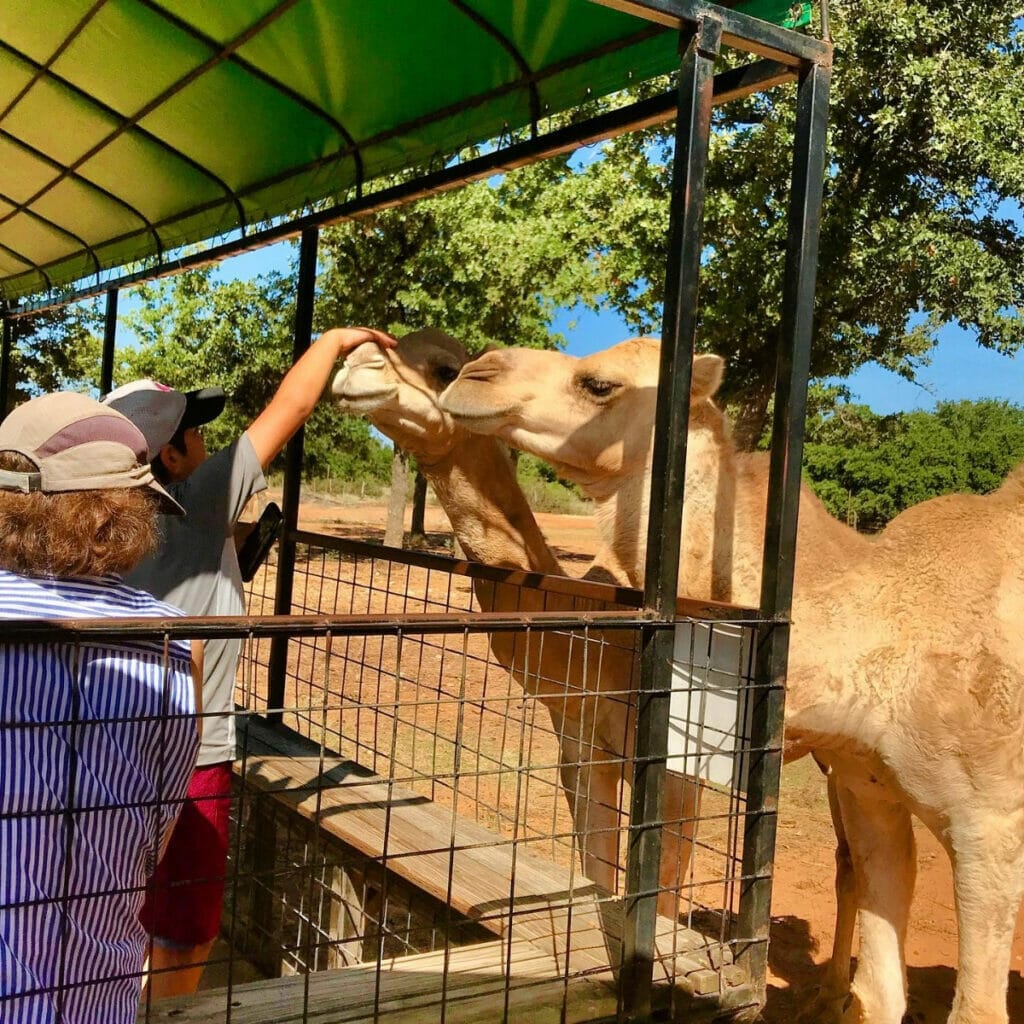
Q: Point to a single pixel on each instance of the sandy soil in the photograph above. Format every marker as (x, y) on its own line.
(803, 904)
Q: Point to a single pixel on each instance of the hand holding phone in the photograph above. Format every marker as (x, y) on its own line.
(257, 545)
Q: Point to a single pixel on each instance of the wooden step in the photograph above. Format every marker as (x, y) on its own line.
(485, 983)
(482, 876)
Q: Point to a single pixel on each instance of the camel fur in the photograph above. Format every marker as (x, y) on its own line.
(906, 655)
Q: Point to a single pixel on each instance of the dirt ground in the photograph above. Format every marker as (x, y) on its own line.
(803, 905)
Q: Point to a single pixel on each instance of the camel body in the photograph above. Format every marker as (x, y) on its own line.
(906, 653)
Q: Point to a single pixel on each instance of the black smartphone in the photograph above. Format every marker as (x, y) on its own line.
(261, 539)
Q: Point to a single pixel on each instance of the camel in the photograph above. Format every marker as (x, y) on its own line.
(586, 693)
(906, 653)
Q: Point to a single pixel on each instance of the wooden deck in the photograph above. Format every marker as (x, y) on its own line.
(556, 951)
(484, 983)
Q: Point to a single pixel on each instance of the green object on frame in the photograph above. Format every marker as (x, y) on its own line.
(780, 12)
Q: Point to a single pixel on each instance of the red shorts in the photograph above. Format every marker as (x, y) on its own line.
(185, 895)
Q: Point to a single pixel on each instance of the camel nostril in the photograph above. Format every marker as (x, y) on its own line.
(471, 372)
(485, 367)
(338, 384)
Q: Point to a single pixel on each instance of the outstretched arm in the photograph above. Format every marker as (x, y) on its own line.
(302, 386)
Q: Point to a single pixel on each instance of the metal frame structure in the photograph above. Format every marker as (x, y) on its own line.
(784, 56)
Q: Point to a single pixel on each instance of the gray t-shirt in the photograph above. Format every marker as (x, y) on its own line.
(196, 569)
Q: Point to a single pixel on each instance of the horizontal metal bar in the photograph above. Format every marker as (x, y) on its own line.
(736, 83)
(729, 85)
(223, 626)
(376, 624)
(562, 585)
(568, 586)
(740, 31)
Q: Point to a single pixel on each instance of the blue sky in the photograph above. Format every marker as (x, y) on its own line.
(960, 368)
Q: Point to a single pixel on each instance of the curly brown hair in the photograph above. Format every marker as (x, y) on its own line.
(74, 533)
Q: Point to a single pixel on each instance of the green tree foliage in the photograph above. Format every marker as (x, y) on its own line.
(196, 330)
(921, 228)
(545, 490)
(922, 219)
(489, 263)
(868, 468)
(57, 350)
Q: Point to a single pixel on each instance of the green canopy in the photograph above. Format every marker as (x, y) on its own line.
(130, 128)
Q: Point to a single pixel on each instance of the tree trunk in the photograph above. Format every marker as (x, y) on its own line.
(394, 530)
(418, 534)
(750, 419)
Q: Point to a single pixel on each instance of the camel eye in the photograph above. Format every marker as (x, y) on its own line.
(446, 374)
(598, 387)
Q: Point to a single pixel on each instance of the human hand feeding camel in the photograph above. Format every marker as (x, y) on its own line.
(906, 653)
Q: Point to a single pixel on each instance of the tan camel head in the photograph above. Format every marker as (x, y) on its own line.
(397, 390)
(591, 417)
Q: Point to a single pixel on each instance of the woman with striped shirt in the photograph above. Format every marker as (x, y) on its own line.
(97, 739)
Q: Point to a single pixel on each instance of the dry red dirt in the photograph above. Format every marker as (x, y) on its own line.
(803, 905)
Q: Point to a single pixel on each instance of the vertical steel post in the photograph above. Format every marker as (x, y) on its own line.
(793, 367)
(109, 338)
(693, 129)
(304, 301)
(5, 365)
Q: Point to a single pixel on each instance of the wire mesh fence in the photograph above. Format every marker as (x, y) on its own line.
(434, 798)
(525, 735)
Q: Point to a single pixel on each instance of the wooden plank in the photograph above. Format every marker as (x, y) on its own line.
(561, 929)
(733, 84)
(475, 983)
(555, 962)
(483, 984)
(484, 877)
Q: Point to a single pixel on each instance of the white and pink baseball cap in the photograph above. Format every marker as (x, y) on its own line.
(159, 411)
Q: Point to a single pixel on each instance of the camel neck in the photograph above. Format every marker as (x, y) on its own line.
(477, 487)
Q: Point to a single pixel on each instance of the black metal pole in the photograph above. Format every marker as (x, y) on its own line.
(693, 128)
(109, 339)
(781, 525)
(5, 366)
(304, 300)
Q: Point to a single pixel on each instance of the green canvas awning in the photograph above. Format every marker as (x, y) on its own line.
(130, 128)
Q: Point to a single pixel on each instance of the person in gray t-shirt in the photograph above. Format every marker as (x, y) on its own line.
(196, 569)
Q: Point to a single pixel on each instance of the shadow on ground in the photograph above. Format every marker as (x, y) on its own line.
(796, 977)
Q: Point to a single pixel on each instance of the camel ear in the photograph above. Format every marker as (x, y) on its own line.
(442, 339)
(707, 375)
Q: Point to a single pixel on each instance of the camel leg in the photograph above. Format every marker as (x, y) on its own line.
(882, 851)
(681, 808)
(591, 785)
(837, 974)
(835, 985)
(988, 883)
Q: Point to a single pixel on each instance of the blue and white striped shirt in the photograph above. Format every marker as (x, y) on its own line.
(97, 743)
